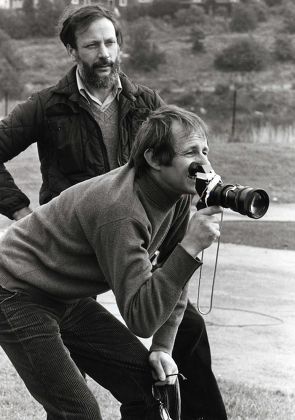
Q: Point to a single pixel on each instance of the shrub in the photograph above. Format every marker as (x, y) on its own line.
(221, 11)
(245, 54)
(3, 38)
(271, 3)
(243, 19)
(283, 48)
(47, 17)
(222, 89)
(144, 53)
(135, 12)
(158, 9)
(29, 18)
(261, 10)
(197, 38)
(162, 8)
(289, 18)
(193, 15)
(10, 67)
(14, 24)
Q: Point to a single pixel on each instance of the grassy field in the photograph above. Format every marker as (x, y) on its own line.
(272, 235)
(242, 402)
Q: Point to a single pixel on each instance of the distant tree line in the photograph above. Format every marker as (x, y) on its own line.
(244, 53)
(33, 21)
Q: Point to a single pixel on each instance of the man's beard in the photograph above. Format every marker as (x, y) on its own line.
(90, 77)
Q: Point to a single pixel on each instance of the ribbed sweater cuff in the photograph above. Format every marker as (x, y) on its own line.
(164, 341)
(181, 266)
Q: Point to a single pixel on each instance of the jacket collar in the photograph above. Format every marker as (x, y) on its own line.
(68, 86)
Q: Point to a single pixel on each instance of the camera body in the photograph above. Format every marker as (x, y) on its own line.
(212, 191)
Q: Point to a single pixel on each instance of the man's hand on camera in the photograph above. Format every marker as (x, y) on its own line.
(164, 369)
(203, 229)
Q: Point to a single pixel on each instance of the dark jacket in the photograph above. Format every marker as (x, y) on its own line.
(69, 140)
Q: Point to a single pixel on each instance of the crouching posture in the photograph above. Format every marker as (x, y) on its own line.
(103, 234)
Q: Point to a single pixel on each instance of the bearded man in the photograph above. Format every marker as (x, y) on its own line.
(85, 125)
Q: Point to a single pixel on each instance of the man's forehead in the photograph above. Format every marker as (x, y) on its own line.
(98, 27)
(185, 136)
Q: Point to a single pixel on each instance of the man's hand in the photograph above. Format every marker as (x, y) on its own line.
(202, 230)
(19, 214)
(163, 365)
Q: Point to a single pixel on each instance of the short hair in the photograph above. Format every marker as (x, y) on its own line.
(156, 133)
(79, 19)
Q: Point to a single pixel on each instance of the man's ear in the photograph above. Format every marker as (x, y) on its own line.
(149, 157)
(72, 52)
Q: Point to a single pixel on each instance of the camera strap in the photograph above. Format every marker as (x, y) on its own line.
(213, 279)
(212, 184)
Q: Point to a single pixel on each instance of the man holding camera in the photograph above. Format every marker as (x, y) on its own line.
(104, 234)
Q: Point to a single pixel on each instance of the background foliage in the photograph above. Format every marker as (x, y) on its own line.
(193, 58)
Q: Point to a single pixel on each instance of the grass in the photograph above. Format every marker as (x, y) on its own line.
(249, 403)
(257, 165)
(273, 235)
(242, 402)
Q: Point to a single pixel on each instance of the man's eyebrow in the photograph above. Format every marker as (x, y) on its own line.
(99, 41)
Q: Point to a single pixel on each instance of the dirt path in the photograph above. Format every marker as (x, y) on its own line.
(252, 324)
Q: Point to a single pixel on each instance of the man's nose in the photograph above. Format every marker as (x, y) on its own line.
(103, 51)
(204, 161)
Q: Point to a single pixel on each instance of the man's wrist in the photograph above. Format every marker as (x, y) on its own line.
(19, 214)
(194, 251)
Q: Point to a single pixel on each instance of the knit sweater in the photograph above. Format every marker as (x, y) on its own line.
(108, 122)
(99, 235)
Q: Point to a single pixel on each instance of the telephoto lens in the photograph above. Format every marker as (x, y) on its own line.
(252, 202)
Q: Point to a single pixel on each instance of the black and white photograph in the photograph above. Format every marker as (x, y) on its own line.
(147, 210)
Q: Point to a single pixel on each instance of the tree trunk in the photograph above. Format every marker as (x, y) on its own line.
(233, 127)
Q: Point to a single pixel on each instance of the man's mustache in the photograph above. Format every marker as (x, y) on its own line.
(103, 62)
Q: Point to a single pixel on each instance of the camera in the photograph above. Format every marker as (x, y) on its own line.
(252, 202)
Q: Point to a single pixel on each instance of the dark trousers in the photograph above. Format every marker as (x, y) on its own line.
(49, 342)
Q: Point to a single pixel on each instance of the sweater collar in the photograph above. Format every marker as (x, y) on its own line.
(155, 193)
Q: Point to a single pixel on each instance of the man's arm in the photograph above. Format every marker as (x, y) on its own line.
(175, 236)
(164, 368)
(151, 302)
(17, 132)
(146, 298)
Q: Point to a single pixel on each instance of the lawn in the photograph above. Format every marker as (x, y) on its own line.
(242, 402)
(272, 235)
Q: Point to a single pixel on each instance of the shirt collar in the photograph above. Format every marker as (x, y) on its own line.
(115, 92)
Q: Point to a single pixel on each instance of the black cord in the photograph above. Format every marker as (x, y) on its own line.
(277, 321)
